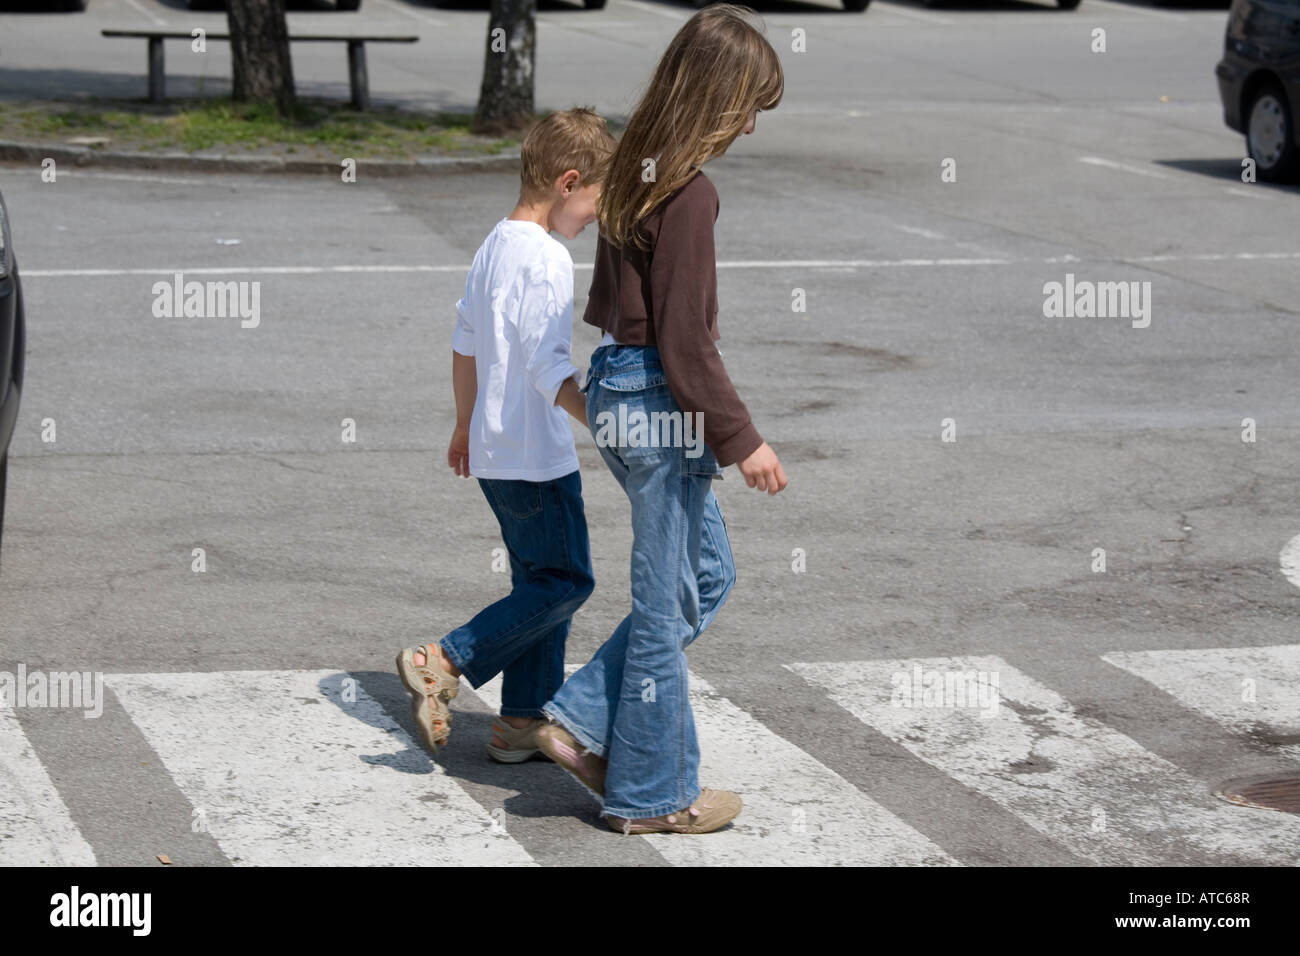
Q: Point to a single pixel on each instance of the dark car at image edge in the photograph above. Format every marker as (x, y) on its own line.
(1259, 83)
(12, 347)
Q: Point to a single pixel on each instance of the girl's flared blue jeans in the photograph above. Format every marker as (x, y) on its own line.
(630, 703)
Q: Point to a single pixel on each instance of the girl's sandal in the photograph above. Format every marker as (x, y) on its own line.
(431, 687)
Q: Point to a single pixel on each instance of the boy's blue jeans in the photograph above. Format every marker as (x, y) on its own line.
(522, 635)
(630, 704)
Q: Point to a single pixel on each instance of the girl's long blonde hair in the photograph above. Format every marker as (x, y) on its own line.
(716, 71)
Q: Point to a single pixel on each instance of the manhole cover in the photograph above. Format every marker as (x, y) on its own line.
(1268, 792)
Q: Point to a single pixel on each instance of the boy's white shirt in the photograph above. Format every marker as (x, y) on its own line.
(516, 320)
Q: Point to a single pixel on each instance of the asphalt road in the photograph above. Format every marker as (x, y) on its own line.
(1123, 691)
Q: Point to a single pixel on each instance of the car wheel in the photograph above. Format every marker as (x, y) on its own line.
(855, 6)
(594, 4)
(348, 5)
(1270, 136)
(1067, 4)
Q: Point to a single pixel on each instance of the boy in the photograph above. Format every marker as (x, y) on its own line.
(513, 381)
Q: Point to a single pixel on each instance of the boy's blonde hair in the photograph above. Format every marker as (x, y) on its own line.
(571, 139)
(716, 71)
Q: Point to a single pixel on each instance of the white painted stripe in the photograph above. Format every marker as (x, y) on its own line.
(797, 811)
(1249, 690)
(912, 14)
(1214, 257)
(66, 173)
(1290, 559)
(1138, 11)
(656, 9)
(35, 826)
(408, 12)
(1126, 167)
(288, 771)
(1093, 790)
(733, 264)
(140, 8)
(918, 231)
(1250, 193)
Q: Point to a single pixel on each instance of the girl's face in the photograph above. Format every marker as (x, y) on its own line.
(749, 128)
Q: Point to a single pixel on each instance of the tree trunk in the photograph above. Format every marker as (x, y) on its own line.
(505, 100)
(259, 53)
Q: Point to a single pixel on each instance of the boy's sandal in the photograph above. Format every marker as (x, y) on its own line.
(521, 742)
(431, 687)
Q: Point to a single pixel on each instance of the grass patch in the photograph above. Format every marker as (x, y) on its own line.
(317, 129)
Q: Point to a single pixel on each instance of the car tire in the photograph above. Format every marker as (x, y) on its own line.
(1270, 135)
(594, 4)
(347, 6)
(855, 6)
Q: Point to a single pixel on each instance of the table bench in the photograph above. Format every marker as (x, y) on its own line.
(358, 78)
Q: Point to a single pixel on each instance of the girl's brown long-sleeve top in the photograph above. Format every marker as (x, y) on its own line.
(668, 298)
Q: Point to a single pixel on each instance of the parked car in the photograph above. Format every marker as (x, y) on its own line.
(13, 336)
(1259, 83)
(1063, 4)
(348, 5)
(853, 6)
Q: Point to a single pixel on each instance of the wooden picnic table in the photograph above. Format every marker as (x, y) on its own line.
(358, 78)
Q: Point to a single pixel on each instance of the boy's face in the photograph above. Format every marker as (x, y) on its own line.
(575, 210)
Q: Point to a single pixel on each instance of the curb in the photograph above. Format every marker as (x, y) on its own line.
(186, 162)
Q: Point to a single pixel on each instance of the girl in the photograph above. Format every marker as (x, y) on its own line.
(623, 723)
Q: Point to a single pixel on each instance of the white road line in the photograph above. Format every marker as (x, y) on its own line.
(408, 12)
(1126, 167)
(1290, 558)
(288, 769)
(1093, 790)
(1249, 690)
(140, 8)
(1249, 193)
(911, 14)
(656, 9)
(1138, 11)
(918, 231)
(737, 264)
(35, 826)
(797, 811)
(1214, 257)
(65, 173)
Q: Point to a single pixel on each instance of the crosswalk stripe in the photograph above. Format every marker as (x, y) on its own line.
(35, 826)
(1086, 786)
(1249, 690)
(304, 768)
(797, 811)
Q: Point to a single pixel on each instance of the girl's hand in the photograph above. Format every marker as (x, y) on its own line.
(762, 470)
(458, 451)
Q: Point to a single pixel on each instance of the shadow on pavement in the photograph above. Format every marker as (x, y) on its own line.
(1228, 170)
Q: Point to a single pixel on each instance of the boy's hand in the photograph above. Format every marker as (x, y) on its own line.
(458, 451)
(571, 400)
(762, 470)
